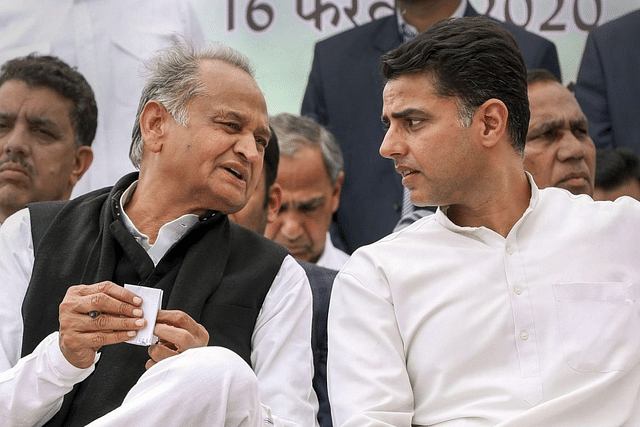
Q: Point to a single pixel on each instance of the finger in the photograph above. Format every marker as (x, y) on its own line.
(80, 348)
(177, 318)
(116, 291)
(107, 322)
(104, 297)
(159, 352)
(180, 329)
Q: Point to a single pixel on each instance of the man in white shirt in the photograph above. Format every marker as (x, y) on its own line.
(235, 320)
(510, 306)
(310, 174)
(48, 118)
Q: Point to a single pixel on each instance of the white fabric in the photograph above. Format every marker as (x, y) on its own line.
(332, 257)
(168, 235)
(222, 392)
(281, 343)
(107, 40)
(450, 326)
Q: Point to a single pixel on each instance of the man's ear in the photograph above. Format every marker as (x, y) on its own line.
(153, 120)
(275, 201)
(337, 189)
(492, 119)
(83, 159)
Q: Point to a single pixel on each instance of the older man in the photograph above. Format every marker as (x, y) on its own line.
(198, 142)
(310, 174)
(510, 306)
(558, 151)
(48, 118)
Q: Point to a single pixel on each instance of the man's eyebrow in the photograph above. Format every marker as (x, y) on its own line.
(305, 203)
(546, 126)
(41, 121)
(580, 123)
(404, 113)
(311, 202)
(408, 112)
(7, 116)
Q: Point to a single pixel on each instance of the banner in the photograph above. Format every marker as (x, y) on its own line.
(279, 35)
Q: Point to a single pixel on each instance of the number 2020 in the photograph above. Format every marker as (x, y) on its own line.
(549, 24)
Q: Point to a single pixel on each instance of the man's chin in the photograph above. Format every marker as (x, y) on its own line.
(578, 189)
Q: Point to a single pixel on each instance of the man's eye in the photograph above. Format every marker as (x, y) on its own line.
(45, 133)
(262, 142)
(232, 126)
(550, 134)
(308, 208)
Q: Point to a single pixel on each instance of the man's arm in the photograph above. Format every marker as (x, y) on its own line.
(366, 370)
(281, 348)
(31, 388)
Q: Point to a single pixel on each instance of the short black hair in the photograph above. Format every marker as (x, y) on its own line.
(270, 165)
(52, 72)
(472, 60)
(541, 75)
(615, 167)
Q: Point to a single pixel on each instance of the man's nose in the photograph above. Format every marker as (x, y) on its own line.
(247, 147)
(15, 142)
(291, 226)
(392, 144)
(571, 147)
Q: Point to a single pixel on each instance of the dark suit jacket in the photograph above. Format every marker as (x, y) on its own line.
(321, 281)
(608, 86)
(344, 93)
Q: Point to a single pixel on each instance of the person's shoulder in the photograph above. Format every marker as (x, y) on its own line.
(524, 37)
(623, 211)
(421, 230)
(627, 25)
(249, 240)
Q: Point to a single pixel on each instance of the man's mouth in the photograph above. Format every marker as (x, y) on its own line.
(234, 172)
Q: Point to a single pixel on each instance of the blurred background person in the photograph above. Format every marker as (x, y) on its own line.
(48, 119)
(107, 41)
(262, 208)
(617, 174)
(558, 150)
(608, 87)
(310, 174)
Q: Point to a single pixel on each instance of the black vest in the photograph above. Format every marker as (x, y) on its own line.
(219, 274)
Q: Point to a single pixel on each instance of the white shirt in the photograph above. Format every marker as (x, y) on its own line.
(107, 40)
(332, 257)
(32, 388)
(457, 326)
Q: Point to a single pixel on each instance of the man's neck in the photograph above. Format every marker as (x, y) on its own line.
(423, 14)
(499, 210)
(149, 210)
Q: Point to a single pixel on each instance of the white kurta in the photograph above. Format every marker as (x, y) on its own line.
(456, 326)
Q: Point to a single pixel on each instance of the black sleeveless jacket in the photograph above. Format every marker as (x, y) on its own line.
(219, 274)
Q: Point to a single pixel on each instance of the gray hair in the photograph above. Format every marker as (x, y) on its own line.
(173, 79)
(295, 131)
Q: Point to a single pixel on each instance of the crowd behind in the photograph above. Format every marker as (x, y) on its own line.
(244, 220)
